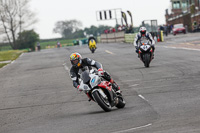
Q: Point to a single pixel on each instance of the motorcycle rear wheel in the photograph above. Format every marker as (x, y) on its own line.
(121, 103)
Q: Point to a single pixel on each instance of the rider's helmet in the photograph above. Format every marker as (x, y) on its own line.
(76, 59)
(143, 31)
(92, 41)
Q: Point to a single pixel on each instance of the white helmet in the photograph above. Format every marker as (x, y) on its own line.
(143, 30)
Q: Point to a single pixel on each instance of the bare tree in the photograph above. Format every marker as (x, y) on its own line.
(15, 16)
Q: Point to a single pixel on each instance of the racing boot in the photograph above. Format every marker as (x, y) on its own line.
(137, 51)
(115, 86)
(153, 47)
(152, 55)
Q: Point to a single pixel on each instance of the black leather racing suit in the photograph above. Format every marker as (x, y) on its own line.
(74, 71)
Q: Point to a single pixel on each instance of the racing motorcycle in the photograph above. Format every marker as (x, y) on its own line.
(100, 91)
(145, 52)
(92, 44)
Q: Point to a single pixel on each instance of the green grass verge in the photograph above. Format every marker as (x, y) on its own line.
(52, 43)
(10, 55)
(3, 64)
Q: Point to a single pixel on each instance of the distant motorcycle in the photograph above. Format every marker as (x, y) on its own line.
(92, 44)
(145, 52)
(100, 91)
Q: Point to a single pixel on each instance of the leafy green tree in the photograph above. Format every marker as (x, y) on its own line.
(67, 28)
(78, 34)
(95, 30)
(27, 39)
(70, 29)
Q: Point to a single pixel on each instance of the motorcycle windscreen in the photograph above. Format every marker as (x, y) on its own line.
(85, 77)
(144, 41)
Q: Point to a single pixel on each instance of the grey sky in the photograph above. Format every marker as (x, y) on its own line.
(50, 11)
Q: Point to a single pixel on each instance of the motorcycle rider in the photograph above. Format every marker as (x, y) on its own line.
(91, 40)
(78, 64)
(143, 34)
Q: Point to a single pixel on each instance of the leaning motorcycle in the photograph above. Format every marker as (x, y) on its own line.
(145, 53)
(92, 44)
(100, 91)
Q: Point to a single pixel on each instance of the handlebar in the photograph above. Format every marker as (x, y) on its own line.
(94, 71)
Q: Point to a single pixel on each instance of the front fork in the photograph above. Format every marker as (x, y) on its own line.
(140, 54)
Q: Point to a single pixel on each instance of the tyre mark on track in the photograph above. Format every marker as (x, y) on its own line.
(182, 48)
(39, 105)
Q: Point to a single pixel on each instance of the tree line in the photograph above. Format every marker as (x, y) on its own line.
(71, 29)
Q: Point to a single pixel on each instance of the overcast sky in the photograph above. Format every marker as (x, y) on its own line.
(49, 12)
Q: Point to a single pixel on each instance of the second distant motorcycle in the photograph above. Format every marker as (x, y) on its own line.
(92, 44)
(145, 53)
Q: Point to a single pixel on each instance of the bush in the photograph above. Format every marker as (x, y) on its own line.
(27, 39)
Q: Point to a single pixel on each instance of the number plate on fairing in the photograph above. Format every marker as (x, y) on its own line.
(145, 47)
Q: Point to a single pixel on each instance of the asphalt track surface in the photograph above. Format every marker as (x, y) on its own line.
(37, 96)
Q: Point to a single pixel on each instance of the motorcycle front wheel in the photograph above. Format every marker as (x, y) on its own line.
(103, 103)
(146, 60)
(92, 50)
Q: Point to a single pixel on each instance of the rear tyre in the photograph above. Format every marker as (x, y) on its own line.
(121, 103)
(103, 103)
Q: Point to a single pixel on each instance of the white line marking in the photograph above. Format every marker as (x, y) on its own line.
(133, 85)
(8, 61)
(3, 67)
(12, 62)
(66, 68)
(21, 55)
(143, 97)
(109, 52)
(133, 128)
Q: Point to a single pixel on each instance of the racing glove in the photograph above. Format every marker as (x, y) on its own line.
(79, 88)
(100, 72)
(137, 49)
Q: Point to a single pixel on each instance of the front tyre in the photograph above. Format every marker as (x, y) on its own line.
(103, 103)
(92, 50)
(146, 59)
